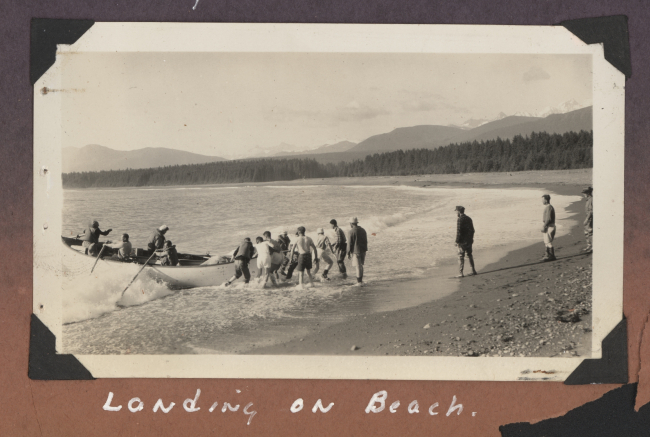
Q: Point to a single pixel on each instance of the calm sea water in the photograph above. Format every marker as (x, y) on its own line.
(410, 230)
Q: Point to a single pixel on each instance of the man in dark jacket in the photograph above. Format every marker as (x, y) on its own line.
(284, 241)
(340, 246)
(242, 256)
(90, 238)
(168, 254)
(548, 229)
(357, 247)
(157, 239)
(464, 240)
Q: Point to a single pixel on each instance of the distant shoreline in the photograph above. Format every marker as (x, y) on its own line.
(529, 179)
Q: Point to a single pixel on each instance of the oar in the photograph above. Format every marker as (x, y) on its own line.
(98, 256)
(136, 275)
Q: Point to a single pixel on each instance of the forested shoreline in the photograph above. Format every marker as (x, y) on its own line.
(539, 151)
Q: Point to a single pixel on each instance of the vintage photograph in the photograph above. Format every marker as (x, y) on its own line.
(322, 204)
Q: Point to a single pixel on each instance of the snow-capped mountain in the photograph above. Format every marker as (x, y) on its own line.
(474, 122)
(562, 108)
(568, 106)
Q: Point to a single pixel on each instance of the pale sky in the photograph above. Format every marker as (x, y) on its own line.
(227, 104)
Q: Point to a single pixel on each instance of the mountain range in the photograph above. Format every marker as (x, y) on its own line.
(433, 136)
(94, 157)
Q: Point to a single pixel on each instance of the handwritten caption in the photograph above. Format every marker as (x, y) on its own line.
(377, 404)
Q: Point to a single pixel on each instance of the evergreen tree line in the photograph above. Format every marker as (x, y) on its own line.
(539, 151)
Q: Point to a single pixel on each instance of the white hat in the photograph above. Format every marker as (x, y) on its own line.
(354, 220)
(163, 228)
(320, 231)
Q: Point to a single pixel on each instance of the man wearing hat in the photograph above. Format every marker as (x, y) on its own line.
(340, 247)
(464, 240)
(123, 248)
(157, 239)
(589, 217)
(323, 244)
(549, 228)
(357, 247)
(90, 238)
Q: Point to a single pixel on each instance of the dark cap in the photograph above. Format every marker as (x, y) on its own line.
(168, 242)
(588, 190)
(125, 235)
(333, 222)
(301, 229)
(546, 196)
(460, 208)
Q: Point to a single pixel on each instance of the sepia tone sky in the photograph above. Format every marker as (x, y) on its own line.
(238, 104)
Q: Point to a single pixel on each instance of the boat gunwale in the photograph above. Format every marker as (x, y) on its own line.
(156, 266)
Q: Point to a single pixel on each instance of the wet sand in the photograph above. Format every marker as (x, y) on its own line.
(516, 306)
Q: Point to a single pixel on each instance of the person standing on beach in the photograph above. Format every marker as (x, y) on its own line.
(589, 217)
(304, 245)
(548, 229)
(340, 246)
(464, 240)
(357, 247)
(242, 256)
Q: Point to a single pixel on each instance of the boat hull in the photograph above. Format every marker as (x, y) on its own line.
(177, 277)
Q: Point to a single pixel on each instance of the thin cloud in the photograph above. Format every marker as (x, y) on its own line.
(536, 73)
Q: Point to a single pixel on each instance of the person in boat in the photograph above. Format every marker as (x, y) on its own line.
(123, 248)
(242, 256)
(325, 249)
(357, 247)
(304, 246)
(157, 239)
(90, 238)
(464, 240)
(264, 258)
(277, 255)
(168, 254)
(340, 245)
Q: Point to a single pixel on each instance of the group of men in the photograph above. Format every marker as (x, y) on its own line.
(283, 257)
(465, 231)
(122, 250)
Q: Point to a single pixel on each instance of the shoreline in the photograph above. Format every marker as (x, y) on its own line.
(516, 306)
(522, 179)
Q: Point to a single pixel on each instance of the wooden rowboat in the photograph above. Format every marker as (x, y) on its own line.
(188, 274)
